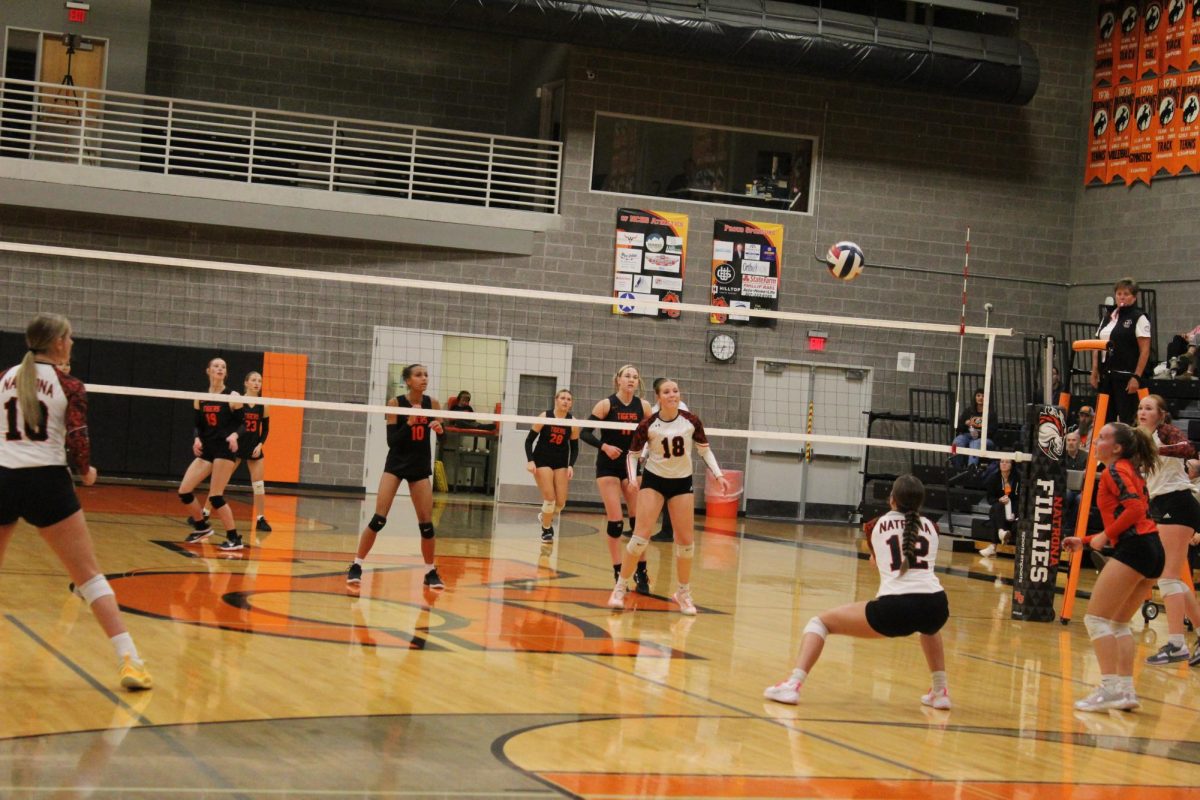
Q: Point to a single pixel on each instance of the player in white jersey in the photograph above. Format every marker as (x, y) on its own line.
(44, 416)
(665, 439)
(910, 599)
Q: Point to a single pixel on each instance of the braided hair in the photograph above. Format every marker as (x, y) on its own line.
(908, 495)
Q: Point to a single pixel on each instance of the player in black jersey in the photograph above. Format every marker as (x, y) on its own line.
(256, 424)
(409, 458)
(551, 451)
(214, 444)
(611, 479)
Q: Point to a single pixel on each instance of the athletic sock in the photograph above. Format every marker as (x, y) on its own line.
(123, 644)
(939, 680)
(1177, 641)
(358, 561)
(798, 676)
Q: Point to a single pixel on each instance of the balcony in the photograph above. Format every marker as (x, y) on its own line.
(183, 160)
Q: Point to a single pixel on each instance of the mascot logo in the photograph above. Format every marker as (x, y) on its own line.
(1051, 428)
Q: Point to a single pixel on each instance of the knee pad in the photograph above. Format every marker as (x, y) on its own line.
(615, 529)
(1170, 586)
(816, 626)
(187, 498)
(637, 545)
(426, 529)
(94, 588)
(548, 507)
(1120, 629)
(217, 501)
(377, 522)
(685, 550)
(1098, 627)
(259, 487)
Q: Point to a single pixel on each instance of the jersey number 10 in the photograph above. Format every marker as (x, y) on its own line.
(14, 433)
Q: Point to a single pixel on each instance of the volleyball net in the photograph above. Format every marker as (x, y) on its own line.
(332, 343)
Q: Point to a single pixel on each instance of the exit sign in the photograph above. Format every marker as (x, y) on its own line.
(77, 12)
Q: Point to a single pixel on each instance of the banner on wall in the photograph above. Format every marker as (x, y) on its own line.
(1125, 42)
(1106, 25)
(1118, 139)
(1191, 40)
(1166, 127)
(1150, 42)
(1141, 139)
(745, 269)
(1188, 118)
(1175, 28)
(651, 251)
(1098, 136)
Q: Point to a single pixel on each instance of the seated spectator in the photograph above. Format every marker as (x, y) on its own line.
(1003, 492)
(463, 403)
(1075, 457)
(1181, 356)
(1083, 426)
(969, 432)
(1056, 384)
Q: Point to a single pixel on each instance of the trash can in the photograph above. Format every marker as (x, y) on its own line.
(718, 503)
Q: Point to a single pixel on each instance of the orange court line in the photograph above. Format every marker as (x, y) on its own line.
(745, 786)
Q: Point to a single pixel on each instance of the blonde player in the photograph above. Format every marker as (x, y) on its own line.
(551, 451)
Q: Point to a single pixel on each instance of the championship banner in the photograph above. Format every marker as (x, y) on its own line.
(1191, 40)
(1188, 118)
(1166, 127)
(1106, 24)
(650, 255)
(1118, 140)
(1098, 137)
(1141, 140)
(745, 269)
(1039, 529)
(1125, 42)
(1150, 42)
(1175, 28)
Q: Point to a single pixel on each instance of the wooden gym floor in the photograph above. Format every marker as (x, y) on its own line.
(517, 682)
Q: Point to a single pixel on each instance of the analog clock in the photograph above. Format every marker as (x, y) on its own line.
(722, 347)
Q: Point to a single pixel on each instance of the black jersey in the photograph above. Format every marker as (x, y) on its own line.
(620, 412)
(409, 451)
(553, 448)
(251, 433)
(216, 421)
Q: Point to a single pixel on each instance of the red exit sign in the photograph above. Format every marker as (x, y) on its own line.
(77, 12)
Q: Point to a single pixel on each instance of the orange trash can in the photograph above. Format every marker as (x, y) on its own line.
(719, 503)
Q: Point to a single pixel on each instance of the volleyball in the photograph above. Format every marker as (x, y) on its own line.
(845, 260)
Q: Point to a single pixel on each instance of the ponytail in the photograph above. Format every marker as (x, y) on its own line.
(1137, 446)
(908, 495)
(40, 333)
(908, 546)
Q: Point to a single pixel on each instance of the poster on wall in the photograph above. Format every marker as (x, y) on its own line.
(1098, 137)
(651, 251)
(1141, 139)
(746, 263)
(1106, 24)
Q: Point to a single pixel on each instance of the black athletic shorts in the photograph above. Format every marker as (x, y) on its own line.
(1176, 508)
(552, 463)
(667, 487)
(212, 450)
(1142, 552)
(905, 614)
(42, 496)
(405, 468)
(611, 468)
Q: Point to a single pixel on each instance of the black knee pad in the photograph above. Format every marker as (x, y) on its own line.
(377, 522)
(615, 529)
(217, 501)
(426, 529)
(187, 498)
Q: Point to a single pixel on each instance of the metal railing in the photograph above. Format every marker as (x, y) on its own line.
(53, 122)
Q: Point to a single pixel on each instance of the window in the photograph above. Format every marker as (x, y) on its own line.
(703, 164)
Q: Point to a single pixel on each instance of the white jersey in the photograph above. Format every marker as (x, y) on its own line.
(668, 445)
(1171, 475)
(887, 545)
(60, 396)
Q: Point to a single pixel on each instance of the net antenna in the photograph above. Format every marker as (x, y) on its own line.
(962, 336)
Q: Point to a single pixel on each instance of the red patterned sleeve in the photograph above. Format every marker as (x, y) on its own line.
(79, 447)
(1173, 443)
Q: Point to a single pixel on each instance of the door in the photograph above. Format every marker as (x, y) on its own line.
(67, 121)
(535, 372)
(787, 480)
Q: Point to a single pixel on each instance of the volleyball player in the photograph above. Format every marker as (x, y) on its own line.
(408, 459)
(612, 478)
(45, 425)
(214, 444)
(665, 439)
(551, 451)
(910, 599)
(1126, 578)
(256, 424)
(666, 533)
(1175, 510)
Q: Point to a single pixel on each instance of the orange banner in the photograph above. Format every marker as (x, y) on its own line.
(1141, 140)
(1150, 41)
(1118, 140)
(1166, 127)
(1191, 39)
(1188, 118)
(1098, 137)
(1174, 30)
(285, 376)
(1125, 42)
(1106, 25)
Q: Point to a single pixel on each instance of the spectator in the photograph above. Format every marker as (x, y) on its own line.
(1075, 458)
(1056, 384)
(1181, 354)
(969, 432)
(683, 181)
(1118, 371)
(463, 403)
(1083, 426)
(1003, 489)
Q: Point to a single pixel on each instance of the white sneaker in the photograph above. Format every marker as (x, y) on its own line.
(988, 551)
(783, 692)
(936, 698)
(1130, 701)
(684, 598)
(1102, 699)
(1004, 536)
(617, 598)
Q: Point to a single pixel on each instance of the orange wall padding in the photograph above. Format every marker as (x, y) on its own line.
(284, 375)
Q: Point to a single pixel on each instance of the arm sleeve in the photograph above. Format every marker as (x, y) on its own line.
(529, 440)
(394, 432)
(265, 428)
(1173, 443)
(197, 422)
(711, 460)
(589, 434)
(700, 438)
(79, 446)
(574, 452)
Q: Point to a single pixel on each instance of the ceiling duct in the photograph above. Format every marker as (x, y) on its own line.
(804, 40)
